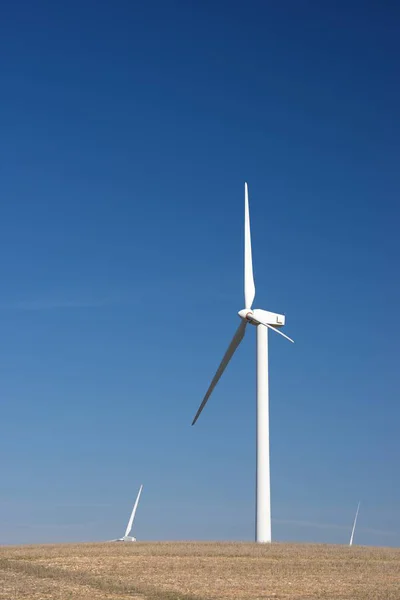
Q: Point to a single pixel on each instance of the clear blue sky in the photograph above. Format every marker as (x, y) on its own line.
(127, 131)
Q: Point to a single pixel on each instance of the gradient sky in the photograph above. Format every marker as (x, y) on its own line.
(127, 131)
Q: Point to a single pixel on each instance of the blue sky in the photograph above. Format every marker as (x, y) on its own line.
(127, 131)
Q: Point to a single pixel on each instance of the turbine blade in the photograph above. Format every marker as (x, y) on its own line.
(280, 332)
(354, 525)
(276, 330)
(130, 522)
(249, 287)
(237, 338)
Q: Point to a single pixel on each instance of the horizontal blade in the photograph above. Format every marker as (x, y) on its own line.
(276, 330)
(237, 338)
(249, 287)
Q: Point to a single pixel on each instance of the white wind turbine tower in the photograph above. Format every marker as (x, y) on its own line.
(127, 537)
(263, 320)
(354, 526)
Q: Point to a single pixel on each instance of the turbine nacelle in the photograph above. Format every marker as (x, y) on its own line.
(262, 317)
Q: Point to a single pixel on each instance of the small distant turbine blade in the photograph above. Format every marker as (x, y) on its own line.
(130, 523)
(249, 287)
(237, 338)
(354, 525)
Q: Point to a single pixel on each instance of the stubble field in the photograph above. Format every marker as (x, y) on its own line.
(198, 571)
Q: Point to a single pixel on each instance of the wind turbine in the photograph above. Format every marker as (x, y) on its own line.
(263, 321)
(127, 537)
(354, 526)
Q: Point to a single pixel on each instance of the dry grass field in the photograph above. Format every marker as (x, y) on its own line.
(195, 571)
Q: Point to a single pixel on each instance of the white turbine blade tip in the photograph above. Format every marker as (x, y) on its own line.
(277, 331)
(249, 287)
(283, 334)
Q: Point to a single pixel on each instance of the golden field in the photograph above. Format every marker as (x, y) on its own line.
(196, 571)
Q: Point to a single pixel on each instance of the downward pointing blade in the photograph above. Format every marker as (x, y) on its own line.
(237, 338)
(249, 287)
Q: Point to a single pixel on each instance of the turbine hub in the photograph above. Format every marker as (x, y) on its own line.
(247, 315)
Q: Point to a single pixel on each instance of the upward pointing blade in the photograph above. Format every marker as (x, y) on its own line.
(249, 288)
(354, 525)
(237, 338)
(130, 523)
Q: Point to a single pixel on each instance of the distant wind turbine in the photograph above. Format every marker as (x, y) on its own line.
(263, 320)
(127, 537)
(354, 525)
